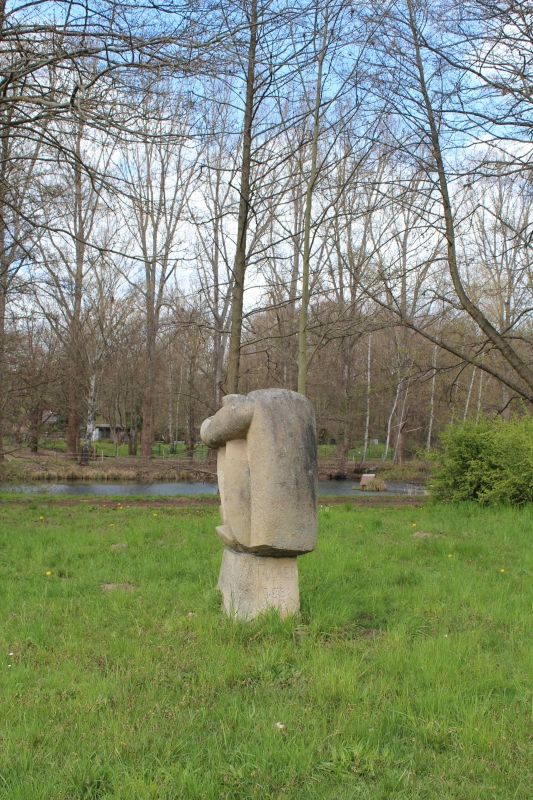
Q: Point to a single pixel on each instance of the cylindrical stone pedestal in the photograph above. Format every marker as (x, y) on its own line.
(251, 585)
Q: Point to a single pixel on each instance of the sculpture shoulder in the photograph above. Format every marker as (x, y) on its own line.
(230, 422)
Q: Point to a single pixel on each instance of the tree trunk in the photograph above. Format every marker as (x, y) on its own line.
(4, 277)
(239, 268)
(170, 407)
(218, 345)
(479, 396)
(178, 403)
(469, 393)
(402, 422)
(400, 445)
(3, 371)
(218, 366)
(132, 440)
(73, 422)
(191, 420)
(75, 343)
(36, 421)
(303, 359)
(368, 385)
(432, 400)
(91, 411)
(389, 422)
(147, 434)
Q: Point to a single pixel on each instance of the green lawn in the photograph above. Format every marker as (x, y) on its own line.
(405, 677)
(373, 452)
(108, 448)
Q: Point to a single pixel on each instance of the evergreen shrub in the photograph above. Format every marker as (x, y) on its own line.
(490, 462)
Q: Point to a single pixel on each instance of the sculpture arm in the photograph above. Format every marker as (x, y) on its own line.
(230, 422)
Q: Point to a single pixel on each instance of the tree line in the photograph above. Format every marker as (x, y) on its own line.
(204, 198)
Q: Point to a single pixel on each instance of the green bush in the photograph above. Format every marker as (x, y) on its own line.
(490, 462)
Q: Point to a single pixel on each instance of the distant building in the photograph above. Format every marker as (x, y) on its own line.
(103, 430)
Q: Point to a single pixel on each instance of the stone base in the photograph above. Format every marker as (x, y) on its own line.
(251, 585)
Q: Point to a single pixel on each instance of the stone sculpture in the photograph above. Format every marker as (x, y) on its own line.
(267, 477)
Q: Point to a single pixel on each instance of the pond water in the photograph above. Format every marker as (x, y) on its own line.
(325, 489)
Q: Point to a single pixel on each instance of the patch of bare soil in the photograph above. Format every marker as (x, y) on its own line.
(369, 633)
(111, 587)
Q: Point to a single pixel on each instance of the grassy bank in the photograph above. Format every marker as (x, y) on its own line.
(405, 676)
(57, 468)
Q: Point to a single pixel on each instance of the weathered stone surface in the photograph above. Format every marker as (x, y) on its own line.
(251, 585)
(267, 477)
(267, 471)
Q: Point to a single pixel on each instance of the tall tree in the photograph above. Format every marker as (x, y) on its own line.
(497, 337)
(73, 243)
(158, 174)
(19, 209)
(448, 124)
(214, 210)
(322, 22)
(239, 265)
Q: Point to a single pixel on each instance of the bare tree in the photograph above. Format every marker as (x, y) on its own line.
(158, 175)
(498, 338)
(214, 212)
(239, 267)
(19, 207)
(322, 49)
(73, 242)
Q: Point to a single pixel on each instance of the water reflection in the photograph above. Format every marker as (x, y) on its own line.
(326, 489)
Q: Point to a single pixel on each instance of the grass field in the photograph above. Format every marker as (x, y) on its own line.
(405, 677)
(55, 466)
(373, 452)
(108, 449)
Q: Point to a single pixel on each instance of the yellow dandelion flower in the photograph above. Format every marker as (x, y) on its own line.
(502, 570)
(450, 555)
(48, 573)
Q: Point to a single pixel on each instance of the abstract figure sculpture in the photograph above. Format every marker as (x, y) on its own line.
(267, 477)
